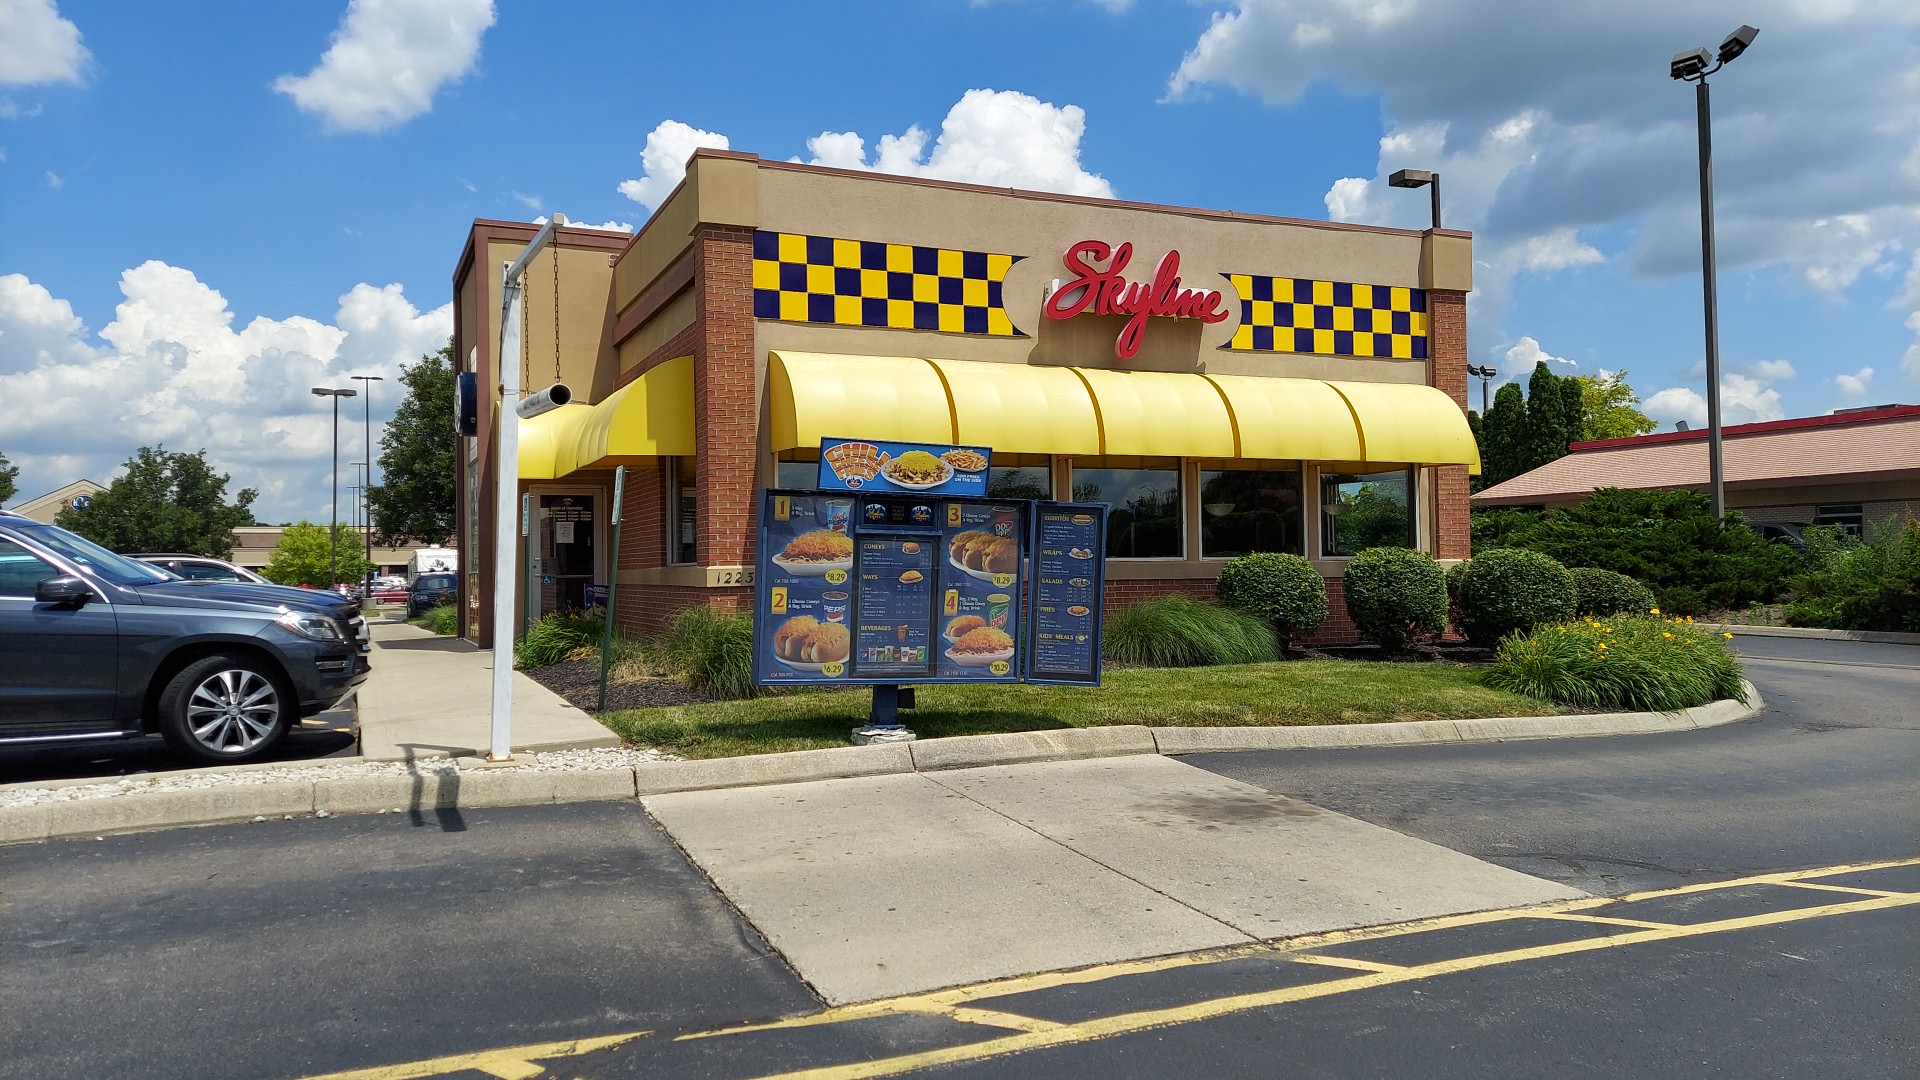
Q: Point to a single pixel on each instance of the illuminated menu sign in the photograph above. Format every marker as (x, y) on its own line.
(905, 588)
(925, 468)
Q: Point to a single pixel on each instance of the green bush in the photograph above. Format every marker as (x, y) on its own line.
(1283, 590)
(1640, 663)
(557, 638)
(443, 619)
(1496, 526)
(1860, 586)
(1600, 592)
(1179, 631)
(1669, 541)
(1395, 595)
(714, 650)
(1509, 589)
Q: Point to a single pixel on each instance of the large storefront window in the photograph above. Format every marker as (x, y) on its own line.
(1020, 476)
(1366, 510)
(1242, 512)
(1143, 516)
(682, 503)
(796, 474)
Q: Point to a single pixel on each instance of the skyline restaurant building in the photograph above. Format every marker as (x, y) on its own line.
(1315, 405)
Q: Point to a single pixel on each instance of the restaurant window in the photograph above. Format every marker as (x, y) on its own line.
(1851, 517)
(1366, 510)
(796, 474)
(682, 504)
(1143, 506)
(1244, 511)
(1020, 476)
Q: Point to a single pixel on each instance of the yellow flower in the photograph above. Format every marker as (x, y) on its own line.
(1669, 637)
(1608, 629)
(1653, 611)
(1729, 637)
(1602, 646)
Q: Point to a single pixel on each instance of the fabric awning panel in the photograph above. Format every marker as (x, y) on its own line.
(651, 416)
(1028, 409)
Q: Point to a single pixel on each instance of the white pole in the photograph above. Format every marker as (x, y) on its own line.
(507, 494)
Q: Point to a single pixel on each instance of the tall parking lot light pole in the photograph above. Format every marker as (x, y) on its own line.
(366, 419)
(1694, 66)
(1485, 374)
(333, 529)
(1412, 178)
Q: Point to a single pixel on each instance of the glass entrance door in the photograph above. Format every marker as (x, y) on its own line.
(566, 552)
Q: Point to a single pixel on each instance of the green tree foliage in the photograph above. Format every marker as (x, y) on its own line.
(305, 556)
(1607, 408)
(414, 502)
(1861, 586)
(1669, 541)
(8, 470)
(164, 502)
(1601, 593)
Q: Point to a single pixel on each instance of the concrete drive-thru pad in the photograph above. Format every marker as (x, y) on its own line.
(1265, 864)
(887, 885)
(973, 874)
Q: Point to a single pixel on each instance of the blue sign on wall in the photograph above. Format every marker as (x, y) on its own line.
(926, 468)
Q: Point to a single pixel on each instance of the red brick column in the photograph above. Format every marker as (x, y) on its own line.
(726, 412)
(1447, 347)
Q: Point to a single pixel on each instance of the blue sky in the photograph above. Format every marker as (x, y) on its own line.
(207, 208)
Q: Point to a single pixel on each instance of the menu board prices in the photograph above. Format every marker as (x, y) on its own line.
(862, 465)
(1068, 580)
(886, 588)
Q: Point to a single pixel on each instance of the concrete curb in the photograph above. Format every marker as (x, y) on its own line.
(1883, 637)
(475, 784)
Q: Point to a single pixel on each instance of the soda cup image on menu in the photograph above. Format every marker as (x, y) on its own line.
(838, 513)
(834, 605)
(997, 606)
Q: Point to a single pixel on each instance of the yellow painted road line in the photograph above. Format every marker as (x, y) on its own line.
(509, 1063)
(1603, 920)
(1784, 877)
(1344, 962)
(1128, 1023)
(991, 1018)
(1838, 888)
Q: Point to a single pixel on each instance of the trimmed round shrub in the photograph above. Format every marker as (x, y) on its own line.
(1601, 593)
(1509, 589)
(1395, 595)
(1285, 591)
(1179, 631)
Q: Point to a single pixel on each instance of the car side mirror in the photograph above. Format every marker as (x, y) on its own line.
(62, 590)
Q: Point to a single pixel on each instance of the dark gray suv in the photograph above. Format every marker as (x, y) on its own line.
(95, 645)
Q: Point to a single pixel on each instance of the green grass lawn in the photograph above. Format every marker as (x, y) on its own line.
(1300, 692)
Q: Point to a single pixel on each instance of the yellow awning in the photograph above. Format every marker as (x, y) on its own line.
(549, 443)
(1414, 425)
(1028, 409)
(652, 416)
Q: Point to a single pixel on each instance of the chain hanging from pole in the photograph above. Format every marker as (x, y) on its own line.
(556, 314)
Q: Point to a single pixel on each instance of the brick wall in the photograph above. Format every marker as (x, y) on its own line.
(645, 609)
(1447, 345)
(726, 411)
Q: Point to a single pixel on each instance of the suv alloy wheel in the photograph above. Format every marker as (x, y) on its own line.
(222, 708)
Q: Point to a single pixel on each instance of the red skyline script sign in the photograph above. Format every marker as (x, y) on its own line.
(1105, 292)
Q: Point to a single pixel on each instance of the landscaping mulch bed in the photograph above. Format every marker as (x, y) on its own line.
(579, 682)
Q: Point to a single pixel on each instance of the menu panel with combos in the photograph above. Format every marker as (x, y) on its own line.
(984, 549)
(802, 631)
(1068, 582)
(894, 605)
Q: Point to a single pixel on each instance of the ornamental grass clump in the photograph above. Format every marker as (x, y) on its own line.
(714, 650)
(1599, 593)
(1285, 591)
(1395, 596)
(1640, 663)
(1511, 589)
(1179, 631)
(558, 638)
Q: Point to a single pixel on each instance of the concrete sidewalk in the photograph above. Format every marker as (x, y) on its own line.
(432, 696)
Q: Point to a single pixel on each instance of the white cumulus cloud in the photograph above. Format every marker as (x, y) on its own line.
(171, 369)
(1854, 385)
(37, 45)
(1745, 398)
(1527, 352)
(387, 60)
(663, 161)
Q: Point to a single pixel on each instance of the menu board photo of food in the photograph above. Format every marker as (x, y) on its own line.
(865, 465)
(983, 549)
(806, 589)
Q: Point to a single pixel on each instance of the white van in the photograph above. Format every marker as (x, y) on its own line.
(432, 561)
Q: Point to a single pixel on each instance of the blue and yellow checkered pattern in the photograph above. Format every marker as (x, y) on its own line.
(1330, 318)
(824, 279)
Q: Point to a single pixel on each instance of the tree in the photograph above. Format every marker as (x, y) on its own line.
(1503, 436)
(1607, 408)
(8, 470)
(305, 556)
(164, 502)
(414, 502)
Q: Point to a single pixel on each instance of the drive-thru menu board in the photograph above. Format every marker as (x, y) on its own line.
(901, 588)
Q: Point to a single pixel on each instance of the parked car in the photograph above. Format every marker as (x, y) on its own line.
(429, 591)
(207, 568)
(390, 590)
(95, 645)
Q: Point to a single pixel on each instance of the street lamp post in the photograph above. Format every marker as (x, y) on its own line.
(333, 529)
(1485, 374)
(1693, 66)
(1412, 178)
(366, 419)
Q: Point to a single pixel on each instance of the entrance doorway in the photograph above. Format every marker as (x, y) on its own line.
(566, 553)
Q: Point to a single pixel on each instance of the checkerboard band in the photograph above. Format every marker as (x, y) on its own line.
(825, 279)
(1330, 318)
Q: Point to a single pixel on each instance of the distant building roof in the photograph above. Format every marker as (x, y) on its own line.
(1863, 445)
(44, 508)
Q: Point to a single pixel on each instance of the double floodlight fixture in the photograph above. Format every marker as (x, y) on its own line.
(1699, 63)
